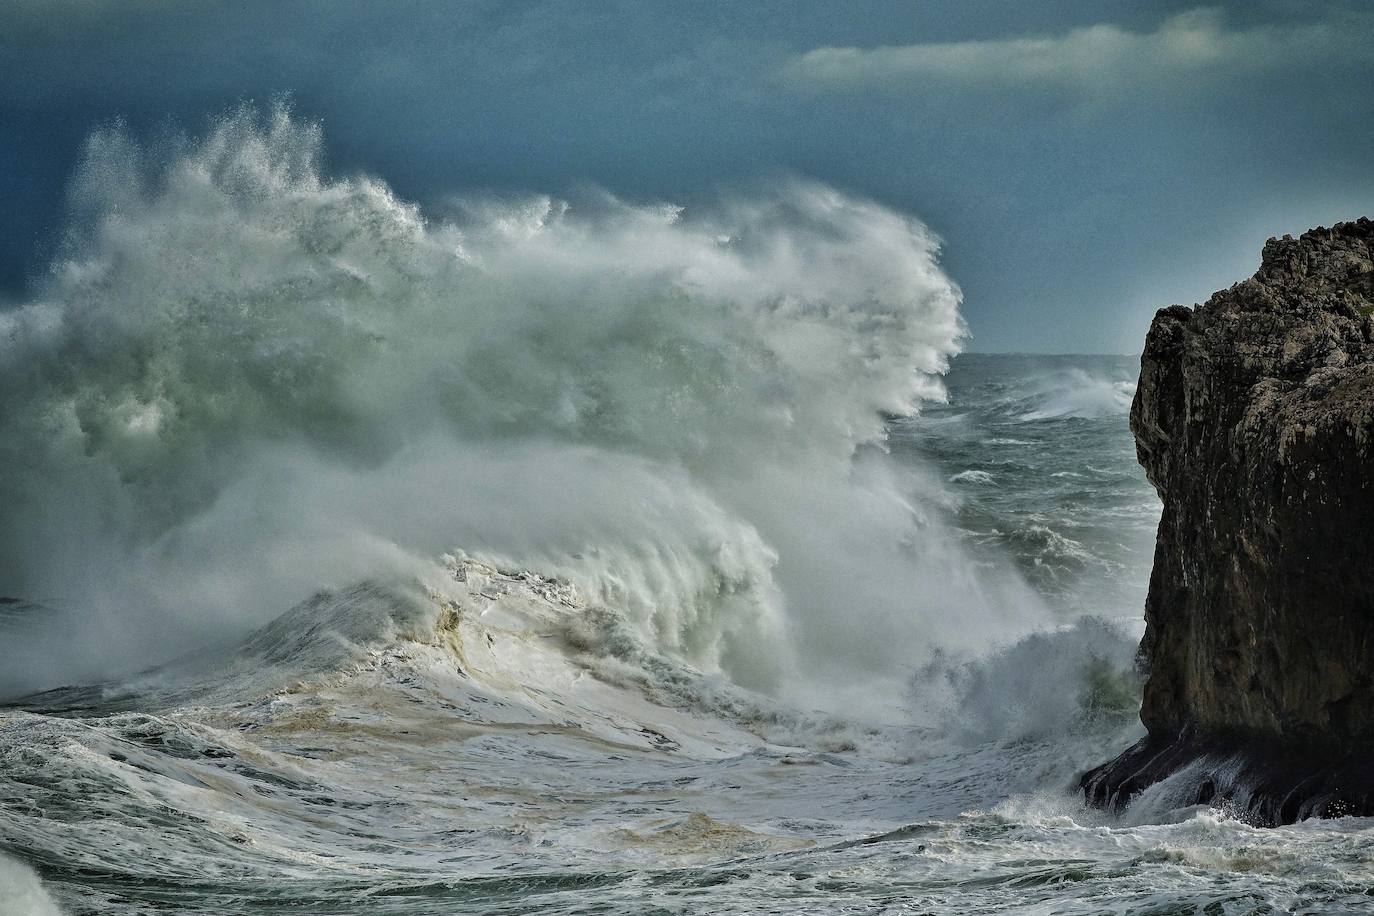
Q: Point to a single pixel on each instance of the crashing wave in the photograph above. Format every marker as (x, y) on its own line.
(245, 380)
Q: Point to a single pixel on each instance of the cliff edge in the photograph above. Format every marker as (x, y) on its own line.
(1254, 420)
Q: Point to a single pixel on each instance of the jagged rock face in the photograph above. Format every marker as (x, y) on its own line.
(1254, 420)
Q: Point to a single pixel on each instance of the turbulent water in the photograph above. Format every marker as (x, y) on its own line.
(633, 559)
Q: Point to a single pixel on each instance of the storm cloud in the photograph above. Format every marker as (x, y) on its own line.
(1187, 53)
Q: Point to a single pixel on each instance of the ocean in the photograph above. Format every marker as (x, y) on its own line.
(538, 557)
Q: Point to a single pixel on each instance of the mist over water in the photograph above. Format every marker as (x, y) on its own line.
(246, 379)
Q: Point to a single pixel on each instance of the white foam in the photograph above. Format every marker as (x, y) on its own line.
(21, 893)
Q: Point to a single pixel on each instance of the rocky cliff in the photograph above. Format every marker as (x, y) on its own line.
(1254, 420)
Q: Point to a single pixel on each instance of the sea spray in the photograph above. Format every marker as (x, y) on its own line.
(1079, 677)
(245, 380)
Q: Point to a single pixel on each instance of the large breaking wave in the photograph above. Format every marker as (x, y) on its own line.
(245, 380)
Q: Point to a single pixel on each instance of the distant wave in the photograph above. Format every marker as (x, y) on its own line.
(1075, 393)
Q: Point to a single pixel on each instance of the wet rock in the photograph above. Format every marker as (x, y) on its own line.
(1254, 420)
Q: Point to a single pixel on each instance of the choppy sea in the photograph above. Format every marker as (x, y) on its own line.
(527, 555)
(495, 741)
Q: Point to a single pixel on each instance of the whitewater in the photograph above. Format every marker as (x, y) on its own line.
(538, 555)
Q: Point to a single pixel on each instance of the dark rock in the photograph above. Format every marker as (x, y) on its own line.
(1254, 420)
(1263, 781)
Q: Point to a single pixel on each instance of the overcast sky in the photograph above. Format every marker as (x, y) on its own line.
(1085, 161)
